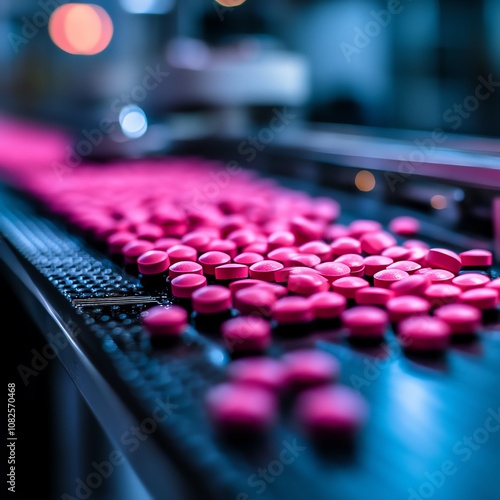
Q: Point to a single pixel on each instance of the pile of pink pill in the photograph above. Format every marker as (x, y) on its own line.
(227, 240)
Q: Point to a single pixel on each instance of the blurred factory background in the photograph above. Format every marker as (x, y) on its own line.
(396, 64)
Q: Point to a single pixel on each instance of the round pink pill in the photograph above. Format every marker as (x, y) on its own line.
(153, 262)
(328, 305)
(405, 265)
(260, 371)
(166, 243)
(461, 318)
(225, 246)
(237, 407)
(248, 258)
(319, 248)
(240, 284)
(397, 253)
(211, 299)
(198, 240)
(375, 263)
(132, 250)
(246, 334)
(344, 245)
(242, 237)
(290, 310)
(280, 239)
(118, 240)
(361, 226)
(282, 254)
(440, 276)
(179, 253)
(376, 243)
(184, 285)
(277, 290)
(184, 267)
(418, 255)
(333, 270)
(210, 260)
(373, 296)
(413, 285)
(476, 258)
(415, 244)
(405, 306)
(265, 269)
(386, 278)
(482, 298)
(150, 232)
(355, 262)
(439, 295)
(282, 275)
(423, 333)
(165, 321)
(309, 367)
(365, 321)
(254, 300)
(404, 225)
(330, 412)
(441, 258)
(228, 272)
(495, 284)
(349, 286)
(307, 284)
(469, 281)
(302, 259)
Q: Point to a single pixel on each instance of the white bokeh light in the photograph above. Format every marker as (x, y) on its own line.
(133, 121)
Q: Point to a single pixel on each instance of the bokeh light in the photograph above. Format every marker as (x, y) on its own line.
(133, 121)
(230, 3)
(365, 181)
(438, 201)
(82, 29)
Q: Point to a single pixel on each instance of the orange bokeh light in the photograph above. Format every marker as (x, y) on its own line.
(83, 29)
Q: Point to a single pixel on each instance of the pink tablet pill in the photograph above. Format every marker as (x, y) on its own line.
(302, 259)
(441, 258)
(228, 272)
(290, 310)
(319, 248)
(242, 237)
(254, 300)
(210, 260)
(277, 290)
(184, 285)
(418, 255)
(225, 246)
(336, 231)
(376, 243)
(116, 241)
(349, 286)
(461, 318)
(386, 278)
(307, 284)
(424, 333)
(440, 276)
(373, 296)
(333, 270)
(280, 239)
(330, 412)
(150, 232)
(495, 284)
(237, 407)
(162, 321)
(482, 298)
(240, 284)
(179, 253)
(246, 334)
(375, 263)
(361, 226)
(404, 225)
(345, 245)
(415, 244)
(260, 371)
(307, 368)
(166, 243)
(282, 254)
(397, 253)
(365, 321)
(184, 267)
(439, 295)
(328, 305)
(413, 285)
(198, 240)
(476, 258)
(153, 262)
(211, 299)
(134, 249)
(405, 265)
(469, 281)
(265, 269)
(248, 258)
(281, 276)
(305, 229)
(355, 262)
(405, 306)
(256, 247)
